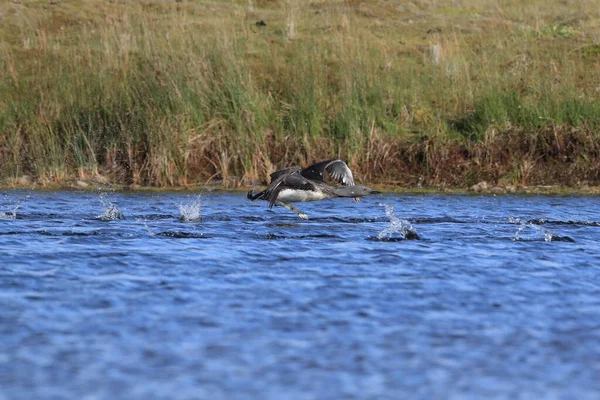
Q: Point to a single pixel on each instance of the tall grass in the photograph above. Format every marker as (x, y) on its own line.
(158, 93)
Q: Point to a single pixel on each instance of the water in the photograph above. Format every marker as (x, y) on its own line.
(422, 297)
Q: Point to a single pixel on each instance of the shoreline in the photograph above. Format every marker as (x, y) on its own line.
(482, 188)
(407, 94)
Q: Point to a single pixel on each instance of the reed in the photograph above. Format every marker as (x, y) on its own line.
(179, 93)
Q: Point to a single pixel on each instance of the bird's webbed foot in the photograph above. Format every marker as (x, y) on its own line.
(290, 207)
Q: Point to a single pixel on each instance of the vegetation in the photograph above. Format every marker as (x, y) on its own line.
(183, 92)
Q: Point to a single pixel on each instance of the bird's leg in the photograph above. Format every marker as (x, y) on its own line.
(294, 209)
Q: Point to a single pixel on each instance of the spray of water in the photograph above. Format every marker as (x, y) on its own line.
(9, 214)
(149, 230)
(190, 212)
(398, 227)
(13, 207)
(530, 231)
(109, 208)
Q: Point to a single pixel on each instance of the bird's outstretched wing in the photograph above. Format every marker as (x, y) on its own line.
(293, 180)
(336, 169)
(285, 171)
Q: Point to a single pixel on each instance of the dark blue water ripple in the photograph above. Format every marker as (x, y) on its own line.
(494, 297)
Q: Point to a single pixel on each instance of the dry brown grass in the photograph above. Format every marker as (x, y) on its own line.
(180, 93)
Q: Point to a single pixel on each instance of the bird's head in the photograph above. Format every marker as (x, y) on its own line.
(355, 191)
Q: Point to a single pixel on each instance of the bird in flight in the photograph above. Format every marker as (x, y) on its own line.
(297, 184)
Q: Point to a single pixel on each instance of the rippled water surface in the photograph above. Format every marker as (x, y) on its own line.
(170, 295)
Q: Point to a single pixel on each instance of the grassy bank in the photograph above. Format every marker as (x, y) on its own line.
(185, 92)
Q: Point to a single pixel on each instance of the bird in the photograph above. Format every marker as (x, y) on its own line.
(297, 184)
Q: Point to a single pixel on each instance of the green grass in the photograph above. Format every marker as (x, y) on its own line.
(179, 93)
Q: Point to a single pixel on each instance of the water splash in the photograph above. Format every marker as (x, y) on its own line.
(190, 212)
(14, 207)
(110, 210)
(528, 231)
(8, 214)
(398, 229)
(149, 230)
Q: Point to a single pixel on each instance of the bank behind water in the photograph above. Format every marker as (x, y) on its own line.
(183, 94)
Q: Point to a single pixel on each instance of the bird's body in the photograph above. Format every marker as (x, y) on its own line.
(296, 184)
(296, 196)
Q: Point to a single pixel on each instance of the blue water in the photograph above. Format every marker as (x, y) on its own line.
(170, 295)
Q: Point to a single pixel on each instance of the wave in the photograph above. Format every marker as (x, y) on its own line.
(548, 238)
(408, 236)
(182, 235)
(544, 221)
(272, 236)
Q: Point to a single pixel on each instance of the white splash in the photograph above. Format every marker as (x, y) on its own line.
(190, 212)
(13, 213)
(397, 226)
(110, 209)
(9, 214)
(149, 230)
(530, 231)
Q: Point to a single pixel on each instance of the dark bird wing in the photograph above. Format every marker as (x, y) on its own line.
(293, 180)
(336, 169)
(285, 171)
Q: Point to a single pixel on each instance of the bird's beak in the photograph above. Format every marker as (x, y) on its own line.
(375, 192)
